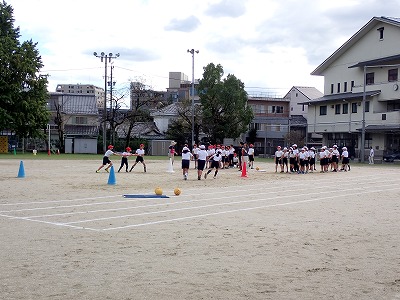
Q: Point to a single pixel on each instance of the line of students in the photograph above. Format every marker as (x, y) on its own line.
(303, 160)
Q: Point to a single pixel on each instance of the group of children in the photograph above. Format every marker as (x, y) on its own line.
(139, 153)
(218, 157)
(303, 160)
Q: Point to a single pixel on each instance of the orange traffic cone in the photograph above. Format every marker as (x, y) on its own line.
(244, 171)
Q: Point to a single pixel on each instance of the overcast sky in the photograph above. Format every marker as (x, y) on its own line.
(270, 45)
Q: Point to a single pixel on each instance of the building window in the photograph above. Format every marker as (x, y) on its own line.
(354, 107)
(338, 87)
(369, 78)
(332, 87)
(337, 109)
(279, 109)
(345, 108)
(256, 126)
(392, 74)
(81, 120)
(322, 110)
(383, 117)
(303, 108)
(352, 85)
(366, 106)
(381, 32)
(345, 87)
(393, 106)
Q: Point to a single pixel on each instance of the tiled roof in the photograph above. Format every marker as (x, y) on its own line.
(171, 109)
(298, 120)
(310, 92)
(140, 129)
(81, 130)
(80, 105)
(342, 96)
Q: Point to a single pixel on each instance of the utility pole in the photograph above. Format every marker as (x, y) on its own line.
(193, 52)
(105, 57)
(111, 84)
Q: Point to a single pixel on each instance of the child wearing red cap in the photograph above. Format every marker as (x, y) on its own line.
(139, 158)
(106, 158)
(124, 159)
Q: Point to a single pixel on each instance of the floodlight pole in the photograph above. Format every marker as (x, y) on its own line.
(192, 51)
(105, 57)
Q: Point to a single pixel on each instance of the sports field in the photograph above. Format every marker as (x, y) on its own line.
(68, 234)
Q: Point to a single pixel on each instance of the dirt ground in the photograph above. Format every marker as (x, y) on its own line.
(68, 234)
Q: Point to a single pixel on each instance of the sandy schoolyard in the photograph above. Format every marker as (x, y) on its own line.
(65, 233)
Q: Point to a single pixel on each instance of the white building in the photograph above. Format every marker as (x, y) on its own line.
(361, 74)
(83, 89)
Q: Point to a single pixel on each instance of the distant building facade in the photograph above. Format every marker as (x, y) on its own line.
(83, 89)
(361, 92)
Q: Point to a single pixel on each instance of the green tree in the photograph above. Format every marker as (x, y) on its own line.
(224, 104)
(23, 92)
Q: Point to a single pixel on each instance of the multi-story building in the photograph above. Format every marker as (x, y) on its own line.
(83, 89)
(361, 103)
(281, 121)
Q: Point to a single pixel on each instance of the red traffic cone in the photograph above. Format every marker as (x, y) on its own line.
(244, 171)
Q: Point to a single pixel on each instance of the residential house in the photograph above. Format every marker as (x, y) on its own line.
(361, 103)
(75, 121)
(297, 95)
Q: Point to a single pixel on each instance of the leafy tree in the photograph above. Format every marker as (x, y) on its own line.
(224, 104)
(23, 92)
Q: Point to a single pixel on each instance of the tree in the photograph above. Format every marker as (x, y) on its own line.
(143, 99)
(23, 92)
(294, 137)
(224, 104)
(180, 129)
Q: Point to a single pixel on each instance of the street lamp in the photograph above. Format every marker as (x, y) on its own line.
(105, 57)
(192, 51)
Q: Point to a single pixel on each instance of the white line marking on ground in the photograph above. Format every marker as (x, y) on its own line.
(58, 201)
(152, 205)
(319, 180)
(203, 206)
(242, 209)
(125, 200)
(47, 222)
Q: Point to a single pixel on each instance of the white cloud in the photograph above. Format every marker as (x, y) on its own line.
(269, 45)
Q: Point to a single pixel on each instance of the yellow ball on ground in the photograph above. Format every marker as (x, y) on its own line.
(257, 168)
(158, 191)
(177, 191)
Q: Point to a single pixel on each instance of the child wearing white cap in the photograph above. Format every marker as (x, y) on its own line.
(186, 157)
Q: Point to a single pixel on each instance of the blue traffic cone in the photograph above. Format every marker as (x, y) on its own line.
(111, 177)
(21, 172)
